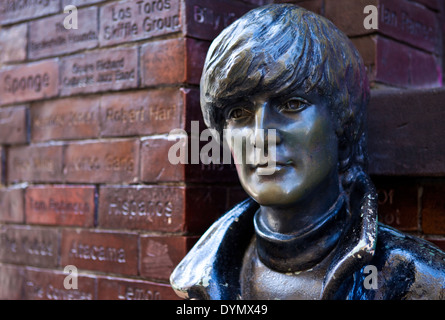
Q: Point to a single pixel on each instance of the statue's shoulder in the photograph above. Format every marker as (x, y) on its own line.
(211, 268)
(409, 267)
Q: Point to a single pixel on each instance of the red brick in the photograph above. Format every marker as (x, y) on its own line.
(48, 36)
(111, 161)
(433, 208)
(109, 252)
(29, 82)
(148, 112)
(13, 125)
(173, 61)
(156, 166)
(161, 254)
(135, 20)
(16, 10)
(29, 246)
(160, 208)
(35, 163)
(438, 242)
(12, 281)
(71, 118)
(111, 288)
(60, 205)
(398, 202)
(13, 43)
(235, 195)
(12, 205)
(113, 69)
(44, 284)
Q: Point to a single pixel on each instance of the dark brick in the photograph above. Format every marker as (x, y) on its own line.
(71, 118)
(35, 163)
(12, 205)
(113, 69)
(29, 82)
(60, 205)
(433, 208)
(109, 252)
(111, 288)
(13, 125)
(115, 161)
(160, 255)
(12, 281)
(29, 246)
(48, 36)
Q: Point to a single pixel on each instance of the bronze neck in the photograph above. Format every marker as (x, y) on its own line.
(303, 250)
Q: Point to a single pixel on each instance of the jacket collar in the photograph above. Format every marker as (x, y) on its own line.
(211, 269)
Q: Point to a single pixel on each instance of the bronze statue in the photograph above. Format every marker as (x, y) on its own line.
(310, 230)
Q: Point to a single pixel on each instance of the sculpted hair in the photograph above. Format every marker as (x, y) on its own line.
(280, 48)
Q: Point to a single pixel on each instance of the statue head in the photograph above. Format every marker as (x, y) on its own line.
(300, 66)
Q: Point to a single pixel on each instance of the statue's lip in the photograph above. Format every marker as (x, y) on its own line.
(269, 164)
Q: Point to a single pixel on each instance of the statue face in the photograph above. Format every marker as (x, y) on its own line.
(306, 147)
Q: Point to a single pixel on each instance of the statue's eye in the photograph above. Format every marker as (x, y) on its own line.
(238, 113)
(294, 105)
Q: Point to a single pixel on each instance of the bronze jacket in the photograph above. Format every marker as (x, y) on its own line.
(407, 267)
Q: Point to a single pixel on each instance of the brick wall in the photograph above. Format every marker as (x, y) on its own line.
(84, 120)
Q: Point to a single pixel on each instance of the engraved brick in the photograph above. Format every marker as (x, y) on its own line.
(111, 288)
(173, 61)
(432, 4)
(43, 284)
(34, 81)
(398, 202)
(60, 205)
(399, 19)
(206, 19)
(102, 162)
(160, 255)
(49, 37)
(109, 252)
(13, 43)
(12, 280)
(156, 165)
(71, 118)
(114, 69)
(433, 208)
(149, 112)
(37, 247)
(35, 163)
(160, 208)
(17, 10)
(12, 205)
(13, 125)
(135, 20)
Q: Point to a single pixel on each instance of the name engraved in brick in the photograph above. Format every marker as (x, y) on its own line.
(155, 208)
(19, 10)
(30, 246)
(29, 82)
(101, 162)
(60, 205)
(129, 289)
(72, 118)
(100, 71)
(138, 19)
(104, 251)
(142, 113)
(35, 163)
(49, 37)
(41, 284)
(410, 23)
